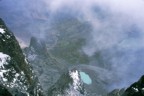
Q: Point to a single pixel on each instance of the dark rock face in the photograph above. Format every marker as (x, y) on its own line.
(116, 92)
(136, 89)
(16, 76)
(4, 91)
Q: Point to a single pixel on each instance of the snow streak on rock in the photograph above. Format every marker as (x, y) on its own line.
(76, 80)
(76, 88)
(4, 74)
(2, 31)
(3, 61)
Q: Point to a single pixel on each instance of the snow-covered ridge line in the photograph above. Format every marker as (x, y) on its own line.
(2, 31)
(76, 79)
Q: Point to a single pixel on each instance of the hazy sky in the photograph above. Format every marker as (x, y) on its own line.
(117, 28)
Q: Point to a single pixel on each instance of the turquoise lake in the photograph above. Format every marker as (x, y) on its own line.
(85, 78)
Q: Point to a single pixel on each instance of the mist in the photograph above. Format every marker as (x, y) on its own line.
(117, 29)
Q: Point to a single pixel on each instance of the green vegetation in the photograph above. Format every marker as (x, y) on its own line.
(71, 39)
(70, 51)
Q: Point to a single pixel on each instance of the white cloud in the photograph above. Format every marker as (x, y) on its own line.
(22, 43)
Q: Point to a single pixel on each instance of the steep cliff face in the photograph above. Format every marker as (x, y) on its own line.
(4, 91)
(47, 68)
(16, 76)
(136, 89)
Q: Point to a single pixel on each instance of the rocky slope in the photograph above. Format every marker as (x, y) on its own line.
(16, 75)
(47, 68)
(136, 89)
(69, 84)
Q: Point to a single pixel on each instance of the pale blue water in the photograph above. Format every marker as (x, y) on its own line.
(85, 78)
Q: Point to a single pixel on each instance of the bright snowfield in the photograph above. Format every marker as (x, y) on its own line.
(85, 78)
(76, 80)
(74, 89)
(2, 31)
(3, 61)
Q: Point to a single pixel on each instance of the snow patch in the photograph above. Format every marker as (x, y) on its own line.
(3, 59)
(136, 89)
(76, 80)
(2, 31)
(26, 61)
(8, 36)
(2, 72)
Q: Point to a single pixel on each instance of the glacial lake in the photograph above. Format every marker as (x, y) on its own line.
(85, 78)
